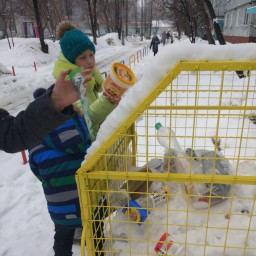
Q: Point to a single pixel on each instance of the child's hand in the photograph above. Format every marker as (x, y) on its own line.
(86, 71)
(112, 99)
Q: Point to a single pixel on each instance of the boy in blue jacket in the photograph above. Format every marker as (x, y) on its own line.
(54, 162)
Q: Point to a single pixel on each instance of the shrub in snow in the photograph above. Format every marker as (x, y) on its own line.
(110, 41)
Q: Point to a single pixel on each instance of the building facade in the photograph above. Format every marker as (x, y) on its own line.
(240, 21)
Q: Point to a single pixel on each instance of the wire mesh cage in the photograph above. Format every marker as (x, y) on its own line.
(186, 188)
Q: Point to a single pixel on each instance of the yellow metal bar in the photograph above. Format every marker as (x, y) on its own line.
(86, 211)
(134, 145)
(202, 108)
(217, 65)
(174, 177)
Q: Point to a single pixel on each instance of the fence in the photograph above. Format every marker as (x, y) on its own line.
(205, 211)
(133, 59)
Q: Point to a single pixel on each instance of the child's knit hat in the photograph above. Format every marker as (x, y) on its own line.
(73, 41)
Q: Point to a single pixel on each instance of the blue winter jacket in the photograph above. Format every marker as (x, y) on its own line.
(55, 162)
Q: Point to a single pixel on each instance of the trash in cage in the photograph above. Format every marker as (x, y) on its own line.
(199, 161)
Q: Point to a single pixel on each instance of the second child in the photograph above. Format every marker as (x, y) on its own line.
(77, 50)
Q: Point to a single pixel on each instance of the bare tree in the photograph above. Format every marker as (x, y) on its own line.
(188, 10)
(122, 20)
(215, 22)
(7, 19)
(106, 14)
(44, 46)
(68, 8)
(147, 17)
(218, 32)
(118, 18)
(205, 20)
(92, 12)
(141, 20)
(151, 17)
(126, 8)
(136, 15)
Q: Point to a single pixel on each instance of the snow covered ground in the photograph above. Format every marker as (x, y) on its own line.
(25, 226)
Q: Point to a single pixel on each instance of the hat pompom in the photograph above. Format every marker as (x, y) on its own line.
(64, 26)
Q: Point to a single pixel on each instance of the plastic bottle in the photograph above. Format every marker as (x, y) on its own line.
(94, 112)
(156, 200)
(176, 161)
(77, 79)
(166, 137)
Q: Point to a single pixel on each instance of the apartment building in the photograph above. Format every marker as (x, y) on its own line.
(240, 21)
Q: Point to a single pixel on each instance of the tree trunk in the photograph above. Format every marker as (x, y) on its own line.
(206, 21)
(93, 18)
(67, 9)
(150, 18)
(44, 46)
(126, 18)
(215, 22)
(122, 20)
(95, 22)
(141, 20)
(107, 15)
(218, 31)
(136, 16)
(118, 19)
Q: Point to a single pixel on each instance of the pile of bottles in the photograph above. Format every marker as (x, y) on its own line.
(139, 202)
(191, 161)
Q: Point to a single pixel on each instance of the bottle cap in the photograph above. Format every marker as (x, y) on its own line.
(158, 125)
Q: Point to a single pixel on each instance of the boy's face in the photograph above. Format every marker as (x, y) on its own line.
(86, 59)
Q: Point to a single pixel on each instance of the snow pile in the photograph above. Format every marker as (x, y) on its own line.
(31, 49)
(4, 70)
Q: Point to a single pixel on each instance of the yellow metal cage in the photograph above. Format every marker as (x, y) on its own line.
(208, 107)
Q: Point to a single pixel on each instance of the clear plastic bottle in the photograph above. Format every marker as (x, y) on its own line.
(177, 161)
(166, 137)
(77, 79)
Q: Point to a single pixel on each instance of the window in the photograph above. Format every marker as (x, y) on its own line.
(231, 19)
(226, 20)
(237, 17)
(246, 17)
